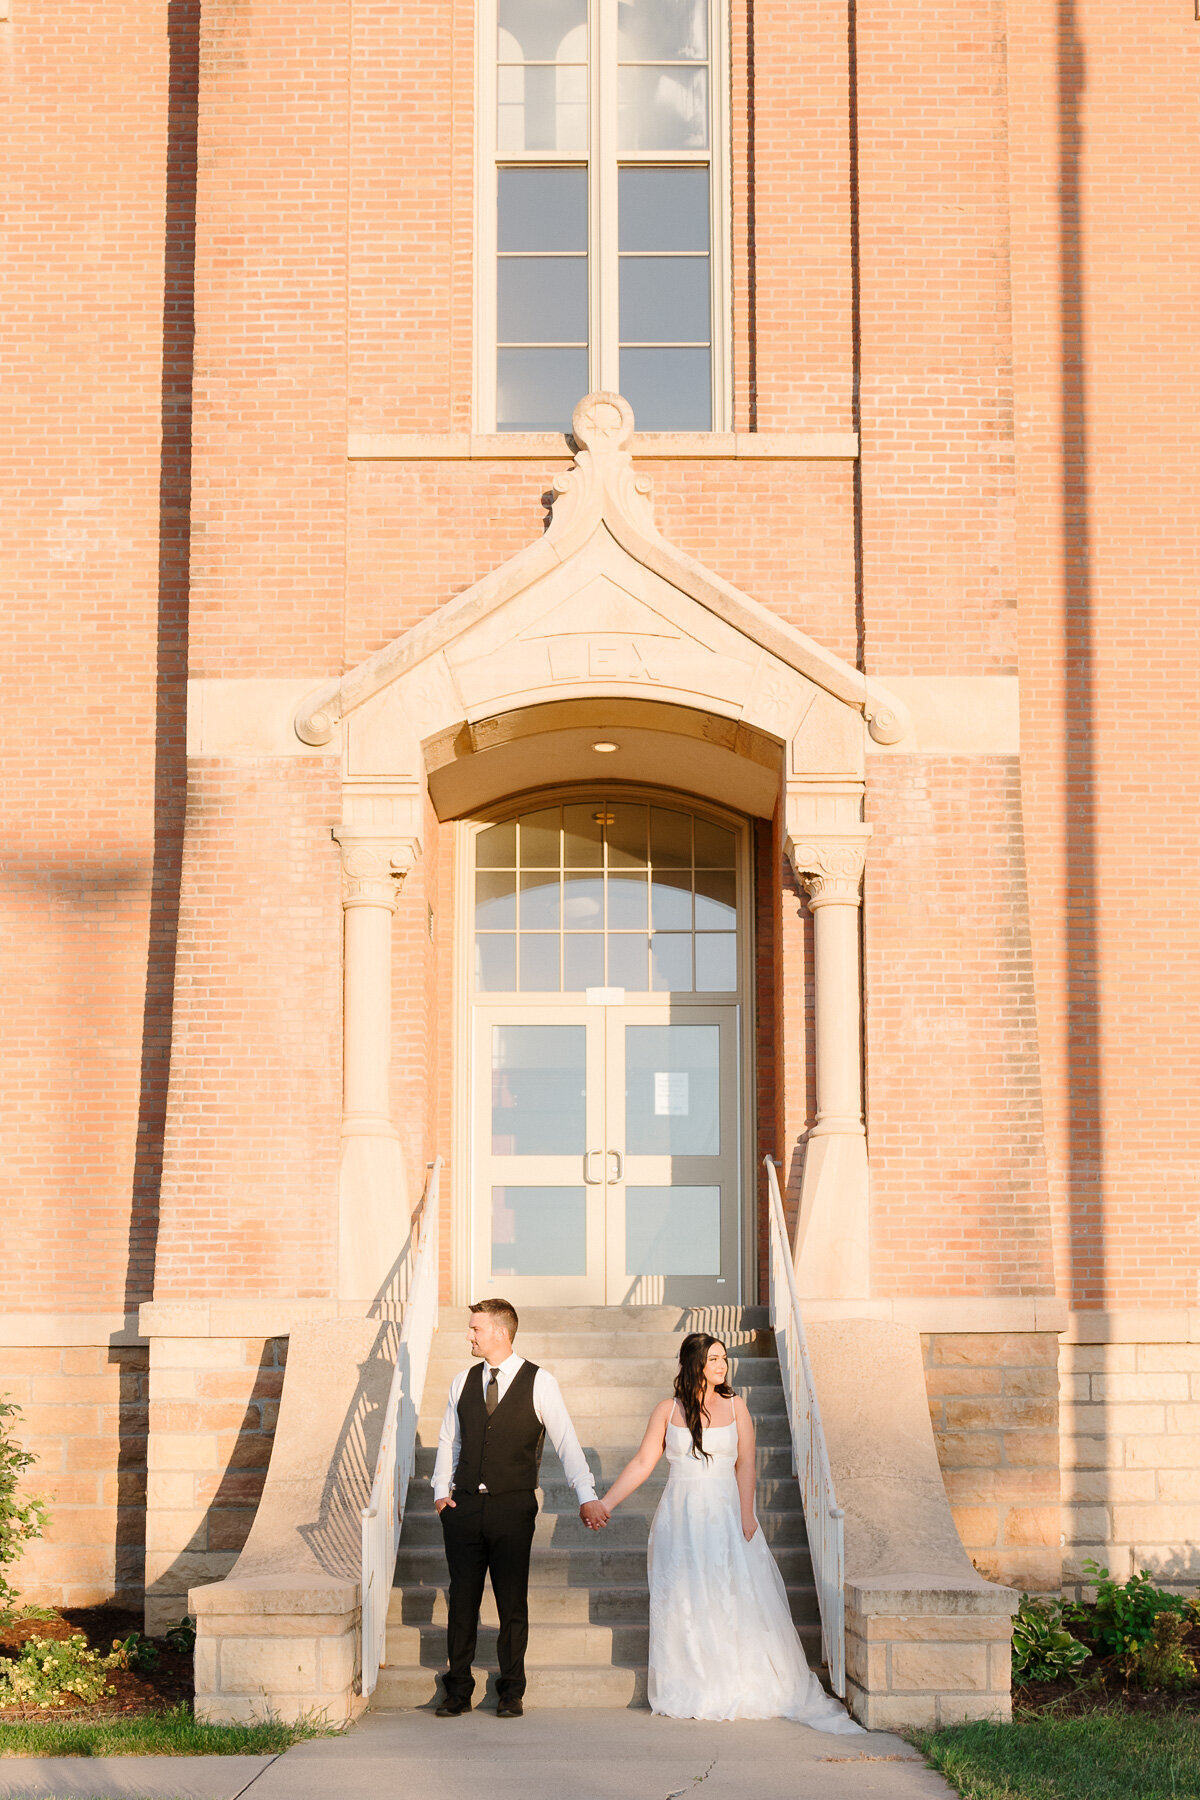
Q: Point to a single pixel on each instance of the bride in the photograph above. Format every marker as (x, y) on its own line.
(722, 1642)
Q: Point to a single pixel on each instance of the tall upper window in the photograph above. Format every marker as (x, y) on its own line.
(601, 236)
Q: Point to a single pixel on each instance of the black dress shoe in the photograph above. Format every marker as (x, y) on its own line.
(451, 1708)
(512, 1708)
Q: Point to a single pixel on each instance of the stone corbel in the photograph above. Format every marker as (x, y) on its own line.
(832, 1252)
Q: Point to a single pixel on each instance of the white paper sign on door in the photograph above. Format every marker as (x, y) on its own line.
(670, 1092)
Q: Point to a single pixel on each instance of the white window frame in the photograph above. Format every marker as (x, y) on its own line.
(603, 162)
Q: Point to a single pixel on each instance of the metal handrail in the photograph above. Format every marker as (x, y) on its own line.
(383, 1514)
(823, 1516)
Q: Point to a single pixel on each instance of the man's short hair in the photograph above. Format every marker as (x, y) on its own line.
(503, 1311)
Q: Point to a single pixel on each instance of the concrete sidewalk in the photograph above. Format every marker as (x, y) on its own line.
(551, 1755)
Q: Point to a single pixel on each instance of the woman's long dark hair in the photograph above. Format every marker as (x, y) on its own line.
(689, 1383)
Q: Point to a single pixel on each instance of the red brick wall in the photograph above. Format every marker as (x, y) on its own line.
(90, 456)
(1106, 194)
(250, 1175)
(953, 1100)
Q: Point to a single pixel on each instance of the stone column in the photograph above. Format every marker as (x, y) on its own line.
(832, 1250)
(375, 1204)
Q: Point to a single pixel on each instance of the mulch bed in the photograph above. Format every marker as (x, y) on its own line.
(146, 1691)
(1101, 1684)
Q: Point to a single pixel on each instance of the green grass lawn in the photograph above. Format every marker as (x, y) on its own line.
(174, 1733)
(1095, 1756)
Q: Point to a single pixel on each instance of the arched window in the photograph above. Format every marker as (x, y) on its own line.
(602, 215)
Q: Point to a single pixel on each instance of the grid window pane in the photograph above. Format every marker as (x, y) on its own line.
(629, 961)
(671, 962)
(542, 299)
(496, 963)
(671, 900)
(661, 106)
(541, 107)
(539, 962)
(674, 29)
(496, 848)
(716, 962)
(664, 299)
(716, 900)
(670, 838)
(540, 30)
(672, 1090)
(537, 390)
(627, 901)
(583, 902)
(495, 900)
(542, 209)
(539, 902)
(583, 961)
(663, 209)
(715, 847)
(583, 841)
(539, 839)
(669, 390)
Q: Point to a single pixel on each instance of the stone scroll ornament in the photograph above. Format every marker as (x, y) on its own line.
(372, 874)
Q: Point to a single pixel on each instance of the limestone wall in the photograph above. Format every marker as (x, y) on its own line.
(1131, 1459)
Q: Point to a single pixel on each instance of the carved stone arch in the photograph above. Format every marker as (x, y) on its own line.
(600, 623)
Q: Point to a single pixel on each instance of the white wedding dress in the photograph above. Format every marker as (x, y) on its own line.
(722, 1642)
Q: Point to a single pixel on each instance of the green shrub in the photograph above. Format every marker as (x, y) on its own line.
(182, 1635)
(1042, 1647)
(1165, 1661)
(18, 1523)
(133, 1652)
(1122, 1616)
(53, 1672)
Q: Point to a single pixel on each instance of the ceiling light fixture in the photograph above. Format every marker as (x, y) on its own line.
(605, 747)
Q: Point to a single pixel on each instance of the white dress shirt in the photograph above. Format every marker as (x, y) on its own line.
(550, 1408)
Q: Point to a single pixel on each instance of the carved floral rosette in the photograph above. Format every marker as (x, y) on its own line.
(830, 870)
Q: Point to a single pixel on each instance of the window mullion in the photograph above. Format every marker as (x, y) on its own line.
(606, 275)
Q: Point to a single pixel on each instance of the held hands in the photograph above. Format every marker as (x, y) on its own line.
(594, 1514)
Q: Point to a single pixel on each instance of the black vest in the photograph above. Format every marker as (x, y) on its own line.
(502, 1453)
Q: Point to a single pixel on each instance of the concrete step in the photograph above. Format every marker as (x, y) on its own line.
(556, 1496)
(577, 1373)
(676, 1319)
(620, 1415)
(548, 1346)
(586, 1564)
(567, 1530)
(587, 1684)
(604, 1605)
(772, 1461)
(550, 1646)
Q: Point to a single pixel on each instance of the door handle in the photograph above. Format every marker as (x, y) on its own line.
(593, 1180)
(613, 1179)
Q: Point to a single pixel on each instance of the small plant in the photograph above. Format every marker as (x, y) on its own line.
(1165, 1661)
(18, 1523)
(1123, 1614)
(53, 1672)
(134, 1652)
(181, 1636)
(1042, 1647)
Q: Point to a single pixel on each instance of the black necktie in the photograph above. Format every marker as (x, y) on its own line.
(492, 1398)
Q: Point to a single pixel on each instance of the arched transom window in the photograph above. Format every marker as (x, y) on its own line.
(609, 893)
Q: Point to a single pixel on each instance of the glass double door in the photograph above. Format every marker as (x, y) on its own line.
(607, 1153)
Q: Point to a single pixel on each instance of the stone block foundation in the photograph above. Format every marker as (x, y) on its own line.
(931, 1667)
(277, 1648)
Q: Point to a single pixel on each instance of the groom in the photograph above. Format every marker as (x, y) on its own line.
(484, 1482)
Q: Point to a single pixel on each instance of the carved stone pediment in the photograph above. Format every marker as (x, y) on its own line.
(600, 605)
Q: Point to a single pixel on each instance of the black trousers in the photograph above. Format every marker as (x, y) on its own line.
(488, 1534)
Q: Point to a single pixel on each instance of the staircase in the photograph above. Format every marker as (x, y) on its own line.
(588, 1600)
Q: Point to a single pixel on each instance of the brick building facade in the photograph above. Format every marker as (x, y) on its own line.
(948, 511)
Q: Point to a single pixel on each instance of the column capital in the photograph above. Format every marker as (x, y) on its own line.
(830, 867)
(374, 866)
